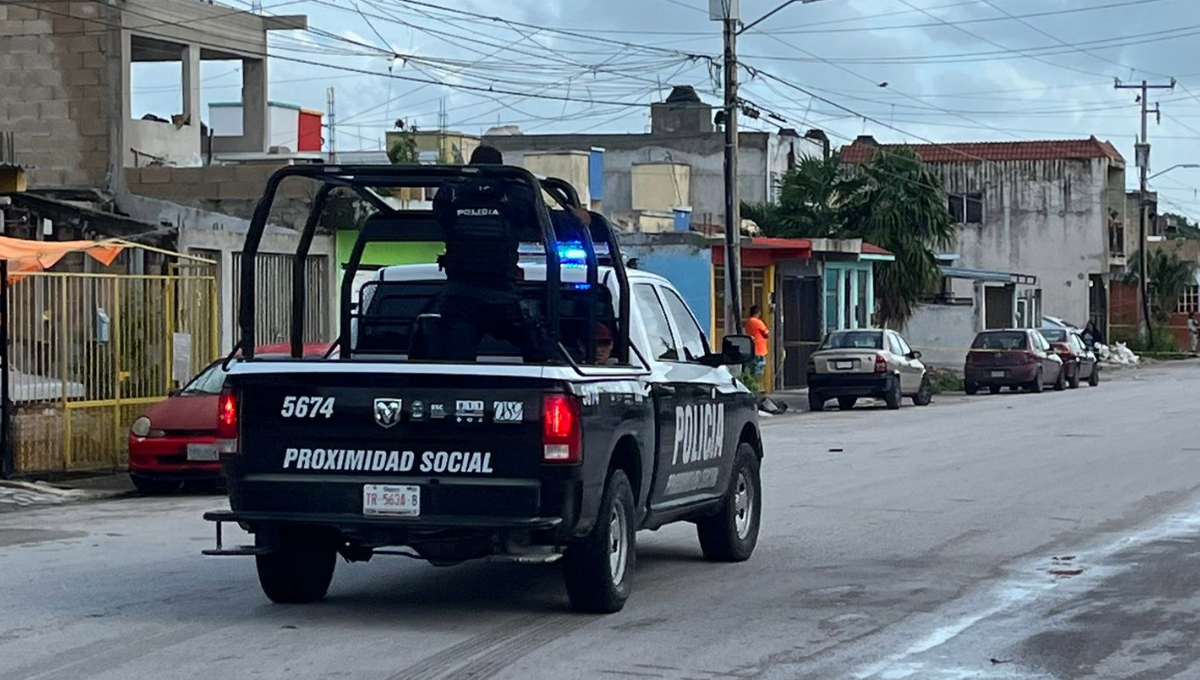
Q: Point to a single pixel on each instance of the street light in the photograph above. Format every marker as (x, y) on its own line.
(1177, 165)
(727, 11)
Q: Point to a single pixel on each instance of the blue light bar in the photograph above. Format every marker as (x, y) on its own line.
(570, 253)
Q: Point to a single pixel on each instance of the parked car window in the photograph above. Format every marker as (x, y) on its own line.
(662, 344)
(1001, 340)
(1077, 345)
(1055, 334)
(1041, 341)
(690, 335)
(899, 346)
(853, 340)
(210, 381)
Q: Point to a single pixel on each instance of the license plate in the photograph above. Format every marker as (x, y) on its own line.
(202, 452)
(997, 374)
(387, 499)
(843, 365)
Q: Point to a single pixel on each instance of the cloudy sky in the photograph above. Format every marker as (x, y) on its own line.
(955, 70)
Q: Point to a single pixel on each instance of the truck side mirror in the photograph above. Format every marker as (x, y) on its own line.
(736, 349)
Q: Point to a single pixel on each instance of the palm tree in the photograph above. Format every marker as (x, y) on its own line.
(893, 201)
(1167, 276)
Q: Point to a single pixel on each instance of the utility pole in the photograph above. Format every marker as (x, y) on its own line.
(726, 11)
(1142, 157)
(331, 113)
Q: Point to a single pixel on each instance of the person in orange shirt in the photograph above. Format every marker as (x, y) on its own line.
(757, 329)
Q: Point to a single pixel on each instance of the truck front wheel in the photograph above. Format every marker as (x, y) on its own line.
(731, 534)
(300, 571)
(599, 567)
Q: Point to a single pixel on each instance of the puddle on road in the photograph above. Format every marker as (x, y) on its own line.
(11, 537)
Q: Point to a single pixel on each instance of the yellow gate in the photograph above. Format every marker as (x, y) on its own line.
(91, 351)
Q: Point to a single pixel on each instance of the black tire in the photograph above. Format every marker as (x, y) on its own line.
(1038, 383)
(816, 402)
(971, 389)
(731, 534)
(149, 486)
(847, 403)
(596, 583)
(924, 395)
(300, 571)
(1060, 383)
(1073, 380)
(994, 389)
(1094, 378)
(892, 397)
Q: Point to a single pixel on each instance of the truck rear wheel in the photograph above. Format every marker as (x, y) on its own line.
(731, 534)
(300, 571)
(599, 567)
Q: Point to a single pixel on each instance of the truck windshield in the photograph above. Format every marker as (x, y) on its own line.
(389, 311)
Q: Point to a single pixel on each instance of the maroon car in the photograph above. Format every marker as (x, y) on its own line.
(1079, 362)
(1016, 358)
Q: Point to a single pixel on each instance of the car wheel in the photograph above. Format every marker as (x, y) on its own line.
(599, 568)
(148, 486)
(1073, 381)
(732, 533)
(924, 394)
(892, 398)
(816, 402)
(1038, 383)
(1060, 383)
(847, 403)
(994, 389)
(1094, 378)
(971, 389)
(300, 570)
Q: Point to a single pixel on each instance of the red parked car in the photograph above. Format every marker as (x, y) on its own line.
(1016, 358)
(174, 441)
(1079, 362)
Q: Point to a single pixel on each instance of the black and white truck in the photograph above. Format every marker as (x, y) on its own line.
(544, 415)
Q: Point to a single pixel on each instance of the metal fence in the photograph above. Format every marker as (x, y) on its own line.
(273, 288)
(90, 351)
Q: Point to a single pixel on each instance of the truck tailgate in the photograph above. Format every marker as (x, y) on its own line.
(441, 446)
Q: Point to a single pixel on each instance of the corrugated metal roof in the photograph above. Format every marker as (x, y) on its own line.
(968, 152)
(988, 275)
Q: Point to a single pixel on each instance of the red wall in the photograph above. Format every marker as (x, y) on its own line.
(1123, 314)
(310, 132)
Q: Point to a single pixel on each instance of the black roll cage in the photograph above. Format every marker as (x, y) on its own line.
(361, 179)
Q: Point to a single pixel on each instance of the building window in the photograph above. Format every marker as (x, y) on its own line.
(966, 208)
(1189, 301)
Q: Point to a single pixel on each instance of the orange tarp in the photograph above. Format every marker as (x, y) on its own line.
(35, 256)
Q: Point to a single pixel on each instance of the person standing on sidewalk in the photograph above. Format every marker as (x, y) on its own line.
(757, 329)
(1193, 330)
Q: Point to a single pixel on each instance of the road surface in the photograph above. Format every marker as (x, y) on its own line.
(1011, 537)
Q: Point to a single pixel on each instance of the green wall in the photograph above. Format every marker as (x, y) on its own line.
(384, 254)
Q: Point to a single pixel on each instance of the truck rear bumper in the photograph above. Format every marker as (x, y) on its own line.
(352, 521)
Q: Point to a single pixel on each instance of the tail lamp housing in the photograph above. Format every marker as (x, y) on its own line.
(561, 430)
(228, 421)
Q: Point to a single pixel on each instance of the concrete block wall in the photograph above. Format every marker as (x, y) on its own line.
(229, 189)
(56, 90)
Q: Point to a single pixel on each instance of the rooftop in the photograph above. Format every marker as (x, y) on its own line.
(966, 152)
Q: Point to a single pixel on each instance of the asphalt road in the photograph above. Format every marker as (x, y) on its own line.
(1015, 537)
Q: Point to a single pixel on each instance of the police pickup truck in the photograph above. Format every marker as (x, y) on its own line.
(545, 415)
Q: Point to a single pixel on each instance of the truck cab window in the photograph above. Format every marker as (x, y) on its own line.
(662, 344)
(690, 336)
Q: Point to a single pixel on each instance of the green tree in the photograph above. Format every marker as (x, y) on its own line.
(403, 150)
(1167, 276)
(893, 201)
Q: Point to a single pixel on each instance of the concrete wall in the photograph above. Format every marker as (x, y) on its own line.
(174, 145)
(1045, 218)
(683, 259)
(943, 333)
(58, 88)
(230, 189)
(660, 186)
(571, 166)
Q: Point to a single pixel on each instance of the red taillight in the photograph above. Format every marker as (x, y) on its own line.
(1031, 357)
(560, 429)
(227, 422)
(880, 364)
